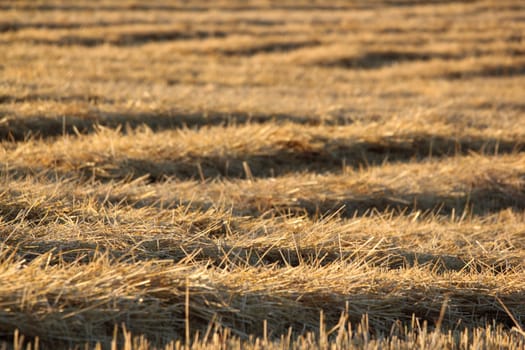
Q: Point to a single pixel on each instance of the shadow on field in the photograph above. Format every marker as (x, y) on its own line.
(15, 210)
(13, 26)
(179, 8)
(517, 69)
(58, 98)
(486, 197)
(323, 155)
(19, 129)
(130, 38)
(145, 37)
(378, 59)
(480, 201)
(281, 46)
(100, 7)
(203, 238)
(233, 7)
(390, 259)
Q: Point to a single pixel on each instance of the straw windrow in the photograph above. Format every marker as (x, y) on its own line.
(262, 174)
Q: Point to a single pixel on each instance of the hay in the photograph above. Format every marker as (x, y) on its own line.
(261, 175)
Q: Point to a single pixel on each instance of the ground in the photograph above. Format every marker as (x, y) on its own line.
(262, 174)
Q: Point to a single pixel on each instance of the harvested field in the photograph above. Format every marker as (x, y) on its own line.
(262, 174)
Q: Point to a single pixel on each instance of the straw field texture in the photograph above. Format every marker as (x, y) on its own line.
(262, 174)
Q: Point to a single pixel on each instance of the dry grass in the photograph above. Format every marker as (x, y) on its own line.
(262, 174)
